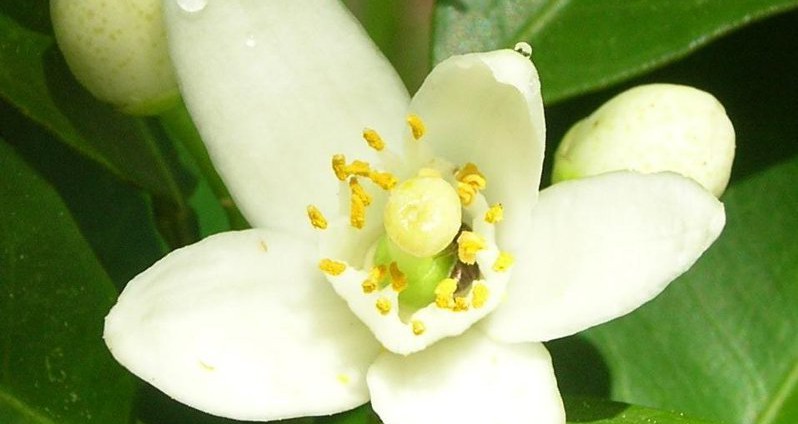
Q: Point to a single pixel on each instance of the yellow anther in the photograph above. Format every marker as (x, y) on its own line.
(466, 193)
(460, 304)
(358, 167)
(418, 327)
(494, 214)
(468, 244)
(416, 126)
(444, 293)
(469, 173)
(383, 305)
(479, 294)
(373, 139)
(357, 212)
(358, 191)
(339, 166)
(398, 279)
(476, 181)
(504, 261)
(385, 180)
(317, 220)
(332, 267)
(372, 283)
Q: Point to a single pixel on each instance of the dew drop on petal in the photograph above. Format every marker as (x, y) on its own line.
(251, 41)
(192, 6)
(524, 49)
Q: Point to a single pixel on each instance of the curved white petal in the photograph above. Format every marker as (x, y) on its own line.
(276, 88)
(600, 247)
(243, 325)
(486, 108)
(468, 379)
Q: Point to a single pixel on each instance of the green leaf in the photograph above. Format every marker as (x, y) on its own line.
(54, 367)
(584, 45)
(595, 411)
(719, 342)
(35, 79)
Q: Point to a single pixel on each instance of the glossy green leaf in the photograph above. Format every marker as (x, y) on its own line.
(595, 411)
(584, 45)
(54, 367)
(720, 342)
(35, 79)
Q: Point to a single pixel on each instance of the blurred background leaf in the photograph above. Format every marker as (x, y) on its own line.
(54, 366)
(580, 46)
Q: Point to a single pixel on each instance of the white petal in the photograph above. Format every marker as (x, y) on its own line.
(600, 247)
(486, 108)
(276, 88)
(469, 379)
(243, 325)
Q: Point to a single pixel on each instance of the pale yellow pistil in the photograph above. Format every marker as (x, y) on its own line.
(422, 216)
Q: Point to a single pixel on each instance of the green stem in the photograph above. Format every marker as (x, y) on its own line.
(178, 125)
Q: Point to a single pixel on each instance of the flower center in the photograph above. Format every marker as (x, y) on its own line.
(431, 267)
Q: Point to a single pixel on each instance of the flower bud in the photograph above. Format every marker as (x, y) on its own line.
(118, 51)
(652, 128)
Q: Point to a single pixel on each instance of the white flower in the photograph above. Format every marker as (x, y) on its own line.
(245, 325)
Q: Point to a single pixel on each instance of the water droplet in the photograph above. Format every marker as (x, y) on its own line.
(524, 49)
(192, 6)
(251, 41)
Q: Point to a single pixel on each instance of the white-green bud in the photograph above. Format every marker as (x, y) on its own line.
(652, 128)
(118, 51)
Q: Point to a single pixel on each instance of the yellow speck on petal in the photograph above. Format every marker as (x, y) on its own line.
(418, 327)
(372, 283)
(383, 305)
(373, 138)
(466, 193)
(263, 246)
(343, 379)
(460, 304)
(357, 212)
(332, 267)
(357, 190)
(385, 180)
(494, 214)
(468, 244)
(416, 126)
(339, 166)
(444, 293)
(398, 279)
(503, 262)
(317, 219)
(479, 294)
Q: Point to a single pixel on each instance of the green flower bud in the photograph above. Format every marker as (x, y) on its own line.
(118, 51)
(652, 128)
